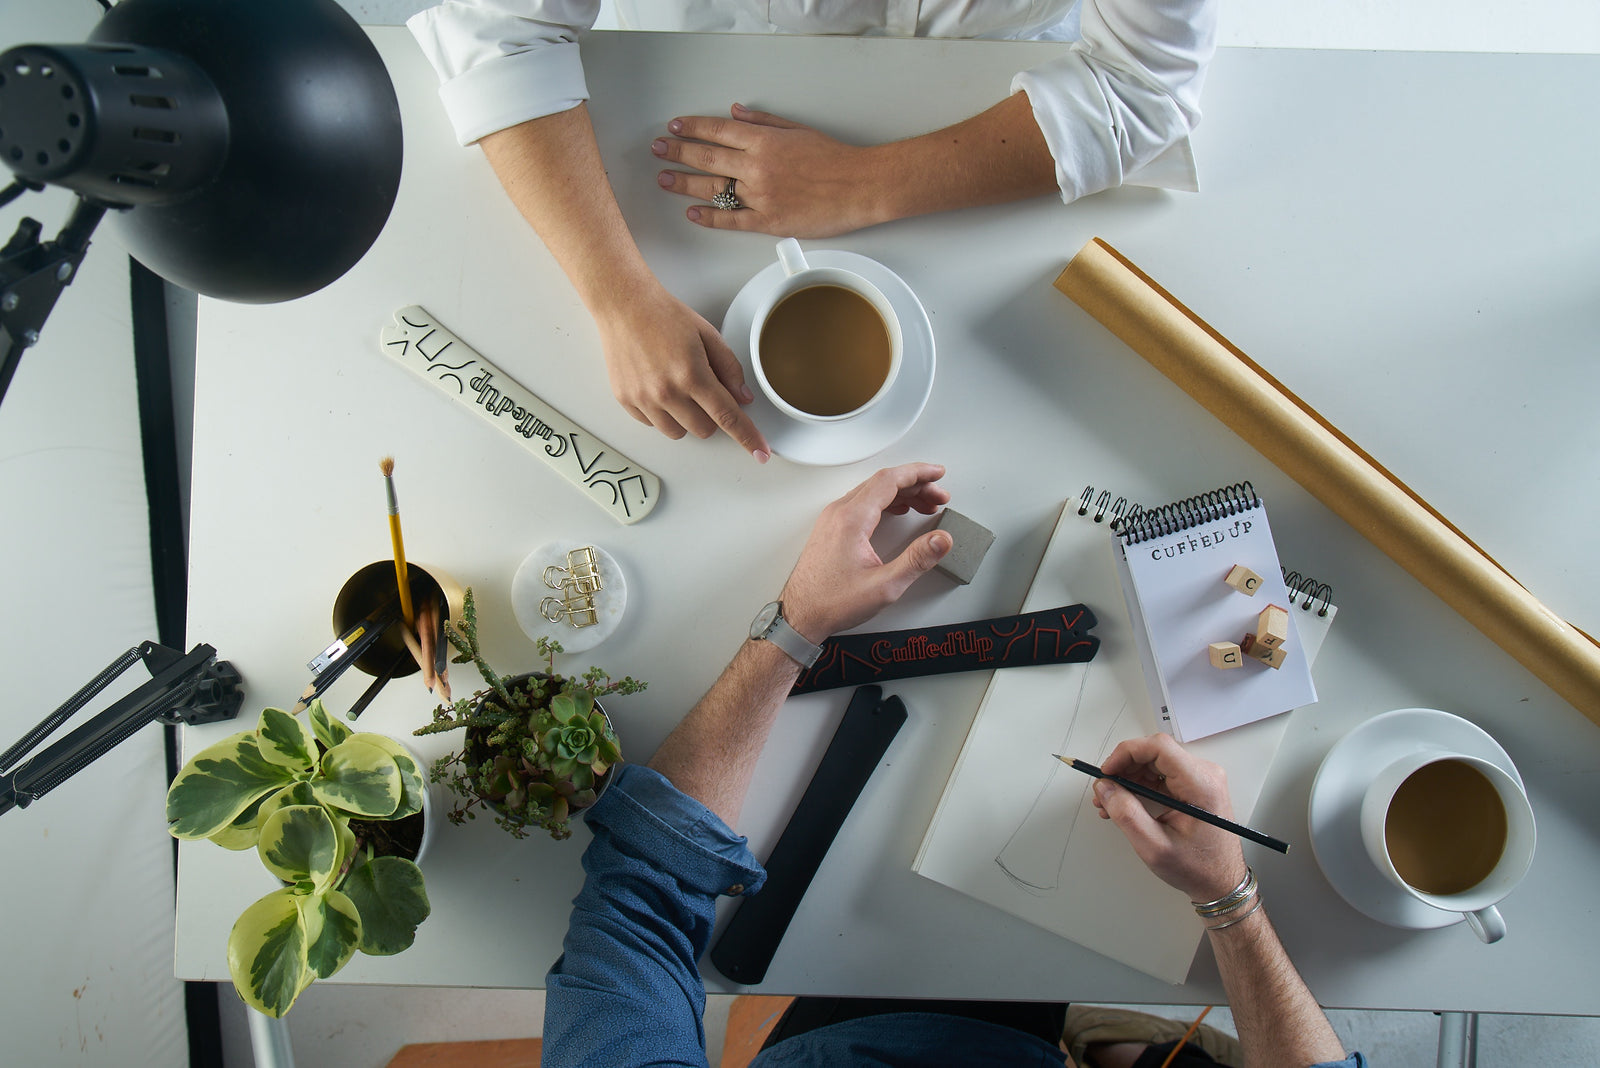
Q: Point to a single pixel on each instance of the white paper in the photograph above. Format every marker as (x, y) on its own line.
(1015, 827)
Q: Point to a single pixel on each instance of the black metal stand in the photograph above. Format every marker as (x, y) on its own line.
(32, 276)
(189, 688)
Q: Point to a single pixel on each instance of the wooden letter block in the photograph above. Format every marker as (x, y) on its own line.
(1253, 648)
(1225, 655)
(1272, 626)
(1243, 579)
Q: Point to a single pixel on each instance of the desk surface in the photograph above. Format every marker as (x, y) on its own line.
(1405, 240)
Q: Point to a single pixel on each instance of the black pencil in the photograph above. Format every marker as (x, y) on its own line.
(1182, 806)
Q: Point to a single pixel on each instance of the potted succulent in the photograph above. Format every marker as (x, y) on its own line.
(321, 806)
(537, 747)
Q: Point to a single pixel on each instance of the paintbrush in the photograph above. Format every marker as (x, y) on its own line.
(401, 576)
(1182, 806)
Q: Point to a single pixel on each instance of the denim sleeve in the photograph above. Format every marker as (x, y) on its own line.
(1355, 1060)
(626, 989)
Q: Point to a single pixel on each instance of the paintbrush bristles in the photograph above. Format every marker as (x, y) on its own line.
(386, 465)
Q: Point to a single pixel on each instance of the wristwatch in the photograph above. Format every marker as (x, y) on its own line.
(769, 625)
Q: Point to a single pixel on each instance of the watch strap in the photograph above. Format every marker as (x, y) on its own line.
(753, 934)
(1052, 636)
(795, 645)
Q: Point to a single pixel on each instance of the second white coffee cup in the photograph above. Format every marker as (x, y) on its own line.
(1452, 831)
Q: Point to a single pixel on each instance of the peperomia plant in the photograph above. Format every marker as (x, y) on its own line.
(537, 747)
(300, 792)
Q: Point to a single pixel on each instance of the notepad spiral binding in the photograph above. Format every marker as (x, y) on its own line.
(1135, 523)
(1189, 512)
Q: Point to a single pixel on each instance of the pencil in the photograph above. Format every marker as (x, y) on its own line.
(1187, 1035)
(401, 576)
(1182, 806)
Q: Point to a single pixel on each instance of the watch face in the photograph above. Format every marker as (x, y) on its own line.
(764, 619)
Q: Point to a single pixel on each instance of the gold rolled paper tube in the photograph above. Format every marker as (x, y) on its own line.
(1335, 470)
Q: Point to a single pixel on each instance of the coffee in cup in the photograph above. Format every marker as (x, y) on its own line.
(825, 342)
(1452, 831)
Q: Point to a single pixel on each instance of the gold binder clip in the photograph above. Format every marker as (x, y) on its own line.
(574, 606)
(582, 571)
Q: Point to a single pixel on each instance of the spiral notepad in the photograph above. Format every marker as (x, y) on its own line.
(1172, 562)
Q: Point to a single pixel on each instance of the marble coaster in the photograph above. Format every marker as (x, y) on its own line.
(528, 590)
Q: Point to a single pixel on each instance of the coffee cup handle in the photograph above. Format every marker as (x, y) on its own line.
(789, 254)
(1487, 924)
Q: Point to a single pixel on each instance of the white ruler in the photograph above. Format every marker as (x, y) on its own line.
(420, 342)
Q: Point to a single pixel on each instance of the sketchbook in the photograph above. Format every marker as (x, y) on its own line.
(1016, 829)
(1172, 562)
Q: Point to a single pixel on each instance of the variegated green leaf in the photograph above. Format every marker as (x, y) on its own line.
(329, 731)
(411, 782)
(245, 830)
(389, 894)
(360, 778)
(267, 954)
(299, 793)
(300, 845)
(333, 928)
(218, 783)
(287, 740)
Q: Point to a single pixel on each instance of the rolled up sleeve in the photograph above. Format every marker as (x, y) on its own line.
(627, 989)
(502, 62)
(1119, 106)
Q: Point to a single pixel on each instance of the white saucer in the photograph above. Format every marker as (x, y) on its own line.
(528, 590)
(1335, 812)
(831, 444)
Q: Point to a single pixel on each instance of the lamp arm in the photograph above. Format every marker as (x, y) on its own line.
(32, 276)
(189, 688)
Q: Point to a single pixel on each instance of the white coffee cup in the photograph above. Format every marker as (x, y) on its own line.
(799, 275)
(1476, 902)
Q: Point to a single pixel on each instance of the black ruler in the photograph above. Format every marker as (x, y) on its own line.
(751, 938)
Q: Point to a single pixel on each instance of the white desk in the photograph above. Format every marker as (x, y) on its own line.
(1406, 240)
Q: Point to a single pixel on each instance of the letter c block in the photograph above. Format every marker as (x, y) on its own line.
(1243, 579)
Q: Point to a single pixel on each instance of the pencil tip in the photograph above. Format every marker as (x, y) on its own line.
(386, 465)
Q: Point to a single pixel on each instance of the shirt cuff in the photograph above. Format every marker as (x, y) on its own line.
(492, 94)
(644, 814)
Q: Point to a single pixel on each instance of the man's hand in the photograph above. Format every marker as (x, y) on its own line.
(670, 369)
(794, 181)
(839, 581)
(1203, 861)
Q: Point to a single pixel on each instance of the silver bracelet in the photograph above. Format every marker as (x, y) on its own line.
(1230, 900)
(1237, 919)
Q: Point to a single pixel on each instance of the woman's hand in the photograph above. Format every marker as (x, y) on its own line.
(794, 181)
(671, 369)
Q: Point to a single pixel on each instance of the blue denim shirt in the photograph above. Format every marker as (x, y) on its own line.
(627, 990)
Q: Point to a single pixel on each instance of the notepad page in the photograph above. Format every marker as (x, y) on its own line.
(1174, 589)
(1016, 828)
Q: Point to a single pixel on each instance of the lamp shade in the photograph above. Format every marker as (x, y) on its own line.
(255, 146)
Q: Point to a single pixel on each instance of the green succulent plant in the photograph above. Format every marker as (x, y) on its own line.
(302, 792)
(537, 747)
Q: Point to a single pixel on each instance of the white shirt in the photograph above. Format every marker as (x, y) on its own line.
(1116, 107)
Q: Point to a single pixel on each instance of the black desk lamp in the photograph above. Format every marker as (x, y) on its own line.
(248, 150)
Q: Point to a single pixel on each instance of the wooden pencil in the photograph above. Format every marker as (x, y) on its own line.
(1182, 806)
(1187, 1035)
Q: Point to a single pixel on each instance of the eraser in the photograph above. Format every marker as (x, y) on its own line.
(1243, 579)
(1225, 655)
(971, 542)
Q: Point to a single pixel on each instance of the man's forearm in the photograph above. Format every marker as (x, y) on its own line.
(552, 170)
(1278, 1020)
(712, 754)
